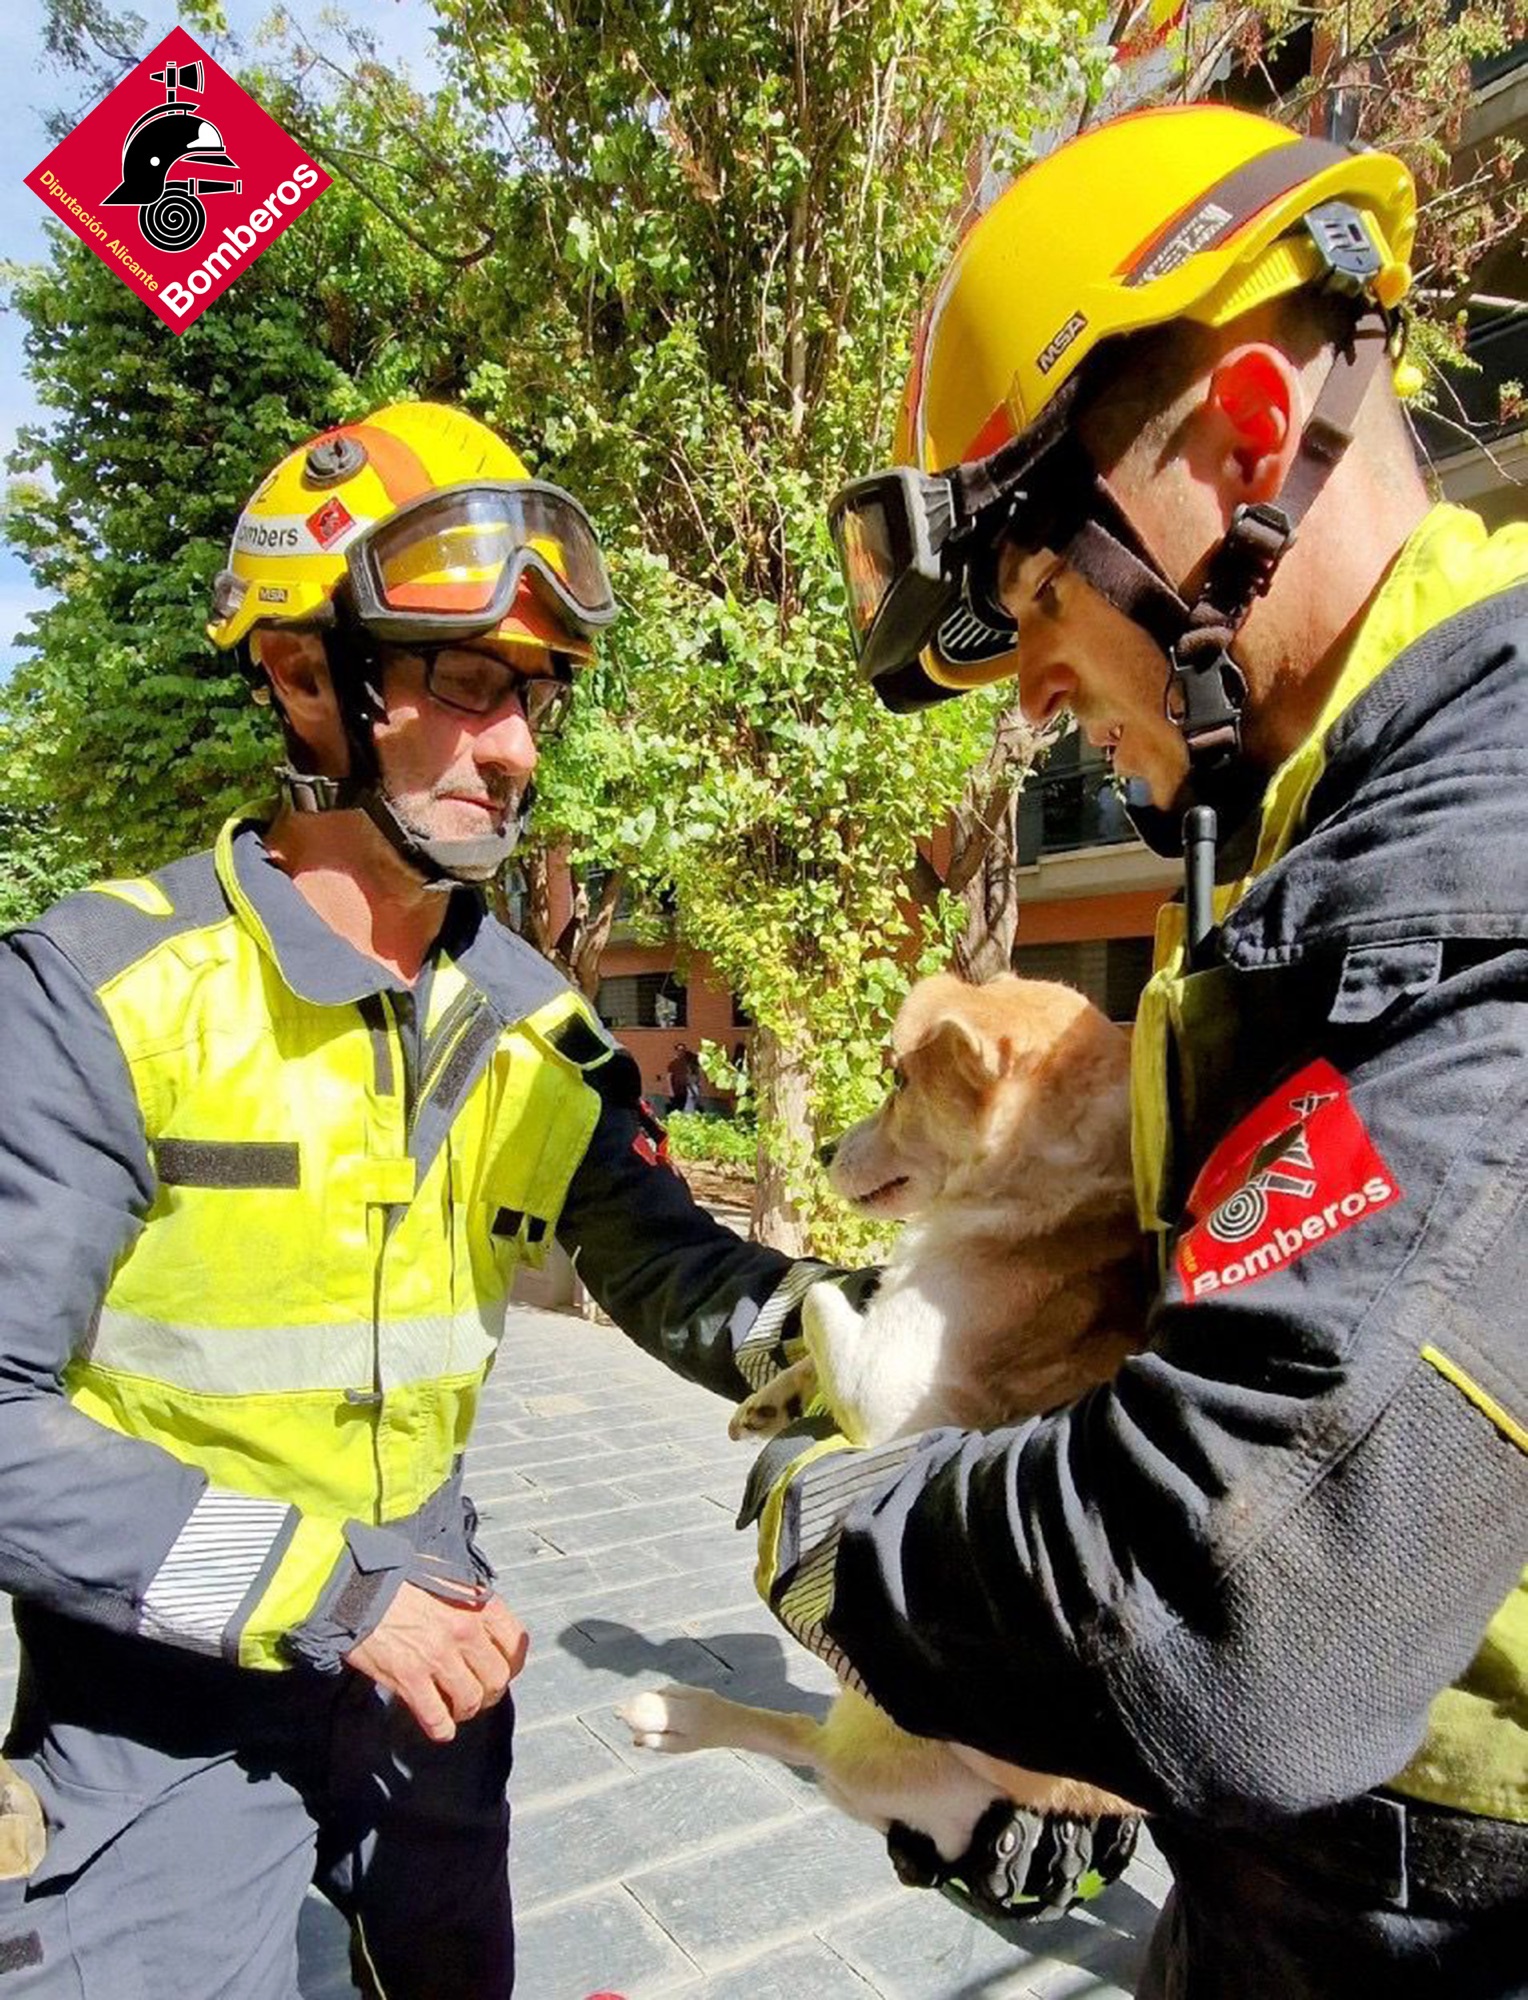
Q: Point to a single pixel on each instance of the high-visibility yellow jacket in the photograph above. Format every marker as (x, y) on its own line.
(1230, 1583)
(262, 1205)
(1474, 1756)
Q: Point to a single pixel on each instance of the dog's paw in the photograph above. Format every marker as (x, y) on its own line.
(780, 1402)
(671, 1719)
(760, 1415)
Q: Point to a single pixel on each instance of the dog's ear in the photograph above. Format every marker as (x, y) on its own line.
(951, 1043)
(940, 1022)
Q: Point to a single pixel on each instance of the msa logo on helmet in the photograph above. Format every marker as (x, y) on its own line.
(1059, 342)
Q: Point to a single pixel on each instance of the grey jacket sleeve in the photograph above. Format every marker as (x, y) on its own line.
(715, 1308)
(1234, 1579)
(86, 1516)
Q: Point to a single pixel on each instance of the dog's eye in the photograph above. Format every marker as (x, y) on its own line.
(898, 1078)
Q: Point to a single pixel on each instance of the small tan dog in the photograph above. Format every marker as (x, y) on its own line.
(1016, 1286)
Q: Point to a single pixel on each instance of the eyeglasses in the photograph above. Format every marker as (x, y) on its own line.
(476, 683)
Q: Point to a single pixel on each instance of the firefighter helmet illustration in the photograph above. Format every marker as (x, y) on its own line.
(170, 215)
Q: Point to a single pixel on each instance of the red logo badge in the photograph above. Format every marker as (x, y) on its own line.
(1297, 1171)
(330, 521)
(651, 1143)
(178, 180)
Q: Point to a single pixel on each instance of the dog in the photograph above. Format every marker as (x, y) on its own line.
(1017, 1284)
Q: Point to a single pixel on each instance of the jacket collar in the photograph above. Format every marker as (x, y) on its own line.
(320, 966)
(1412, 827)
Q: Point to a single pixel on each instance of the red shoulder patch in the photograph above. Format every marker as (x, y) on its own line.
(651, 1143)
(1297, 1171)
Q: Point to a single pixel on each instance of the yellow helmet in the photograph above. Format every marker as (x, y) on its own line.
(1198, 212)
(427, 526)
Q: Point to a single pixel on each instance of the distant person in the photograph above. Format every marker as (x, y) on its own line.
(684, 1079)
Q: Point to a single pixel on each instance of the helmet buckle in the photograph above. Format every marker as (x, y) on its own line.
(1346, 248)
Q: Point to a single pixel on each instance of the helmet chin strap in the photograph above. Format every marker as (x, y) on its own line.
(440, 864)
(1206, 691)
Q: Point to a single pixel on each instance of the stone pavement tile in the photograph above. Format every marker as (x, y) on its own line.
(723, 1483)
(622, 1526)
(575, 1844)
(559, 1757)
(564, 1448)
(564, 1680)
(568, 1581)
(726, 1903)
(538, 1510)
(599, 1943)
(924, 1947)
(660, 1604)
(571, 1475)
(805, 1971)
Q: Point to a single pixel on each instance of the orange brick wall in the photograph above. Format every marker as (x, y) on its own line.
(709, 1010)
(1131, 913)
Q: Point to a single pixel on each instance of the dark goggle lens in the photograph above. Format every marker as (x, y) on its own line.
(870, 567)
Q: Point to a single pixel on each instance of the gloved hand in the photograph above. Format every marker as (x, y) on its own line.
(1019, 1863)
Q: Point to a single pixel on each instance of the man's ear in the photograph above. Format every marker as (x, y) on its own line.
(298, 671)
(1254, 401)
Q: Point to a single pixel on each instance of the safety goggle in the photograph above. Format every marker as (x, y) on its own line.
(920, 554)
(916, 573)
(451, 563)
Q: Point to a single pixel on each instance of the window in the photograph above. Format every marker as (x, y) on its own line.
(642, 1000)
(1111, 971)
(1070, 802)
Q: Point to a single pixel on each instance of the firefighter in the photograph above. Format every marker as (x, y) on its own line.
(282, 1122)
(1270, 1582)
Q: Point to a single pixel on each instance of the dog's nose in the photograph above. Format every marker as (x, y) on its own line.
(825, 1153)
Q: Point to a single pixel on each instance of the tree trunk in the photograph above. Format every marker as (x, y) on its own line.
(985, 945)
(984, 852)
(577, 948)
(780, 1088)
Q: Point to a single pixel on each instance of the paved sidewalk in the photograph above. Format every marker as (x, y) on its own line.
(607, 1489)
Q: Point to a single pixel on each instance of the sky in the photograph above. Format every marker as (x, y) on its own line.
(402, 30)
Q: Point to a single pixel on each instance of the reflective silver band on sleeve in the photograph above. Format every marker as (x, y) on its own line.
(822, 1493)
(758, 1354)
(225, 1545)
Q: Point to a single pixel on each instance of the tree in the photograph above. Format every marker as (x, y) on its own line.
(703, 247)
(677, 255)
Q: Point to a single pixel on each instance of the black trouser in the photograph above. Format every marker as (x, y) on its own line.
(190, 1804)
(1377, 1897)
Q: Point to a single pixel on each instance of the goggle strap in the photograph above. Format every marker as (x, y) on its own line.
(1108, 557)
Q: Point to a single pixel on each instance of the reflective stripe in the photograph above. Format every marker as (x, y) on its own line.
(272, 1360)
(824, 1485)
(214, 1562)
(1484, 1402)
(757, 1356)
